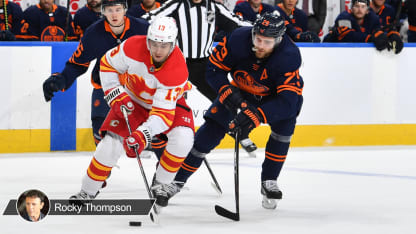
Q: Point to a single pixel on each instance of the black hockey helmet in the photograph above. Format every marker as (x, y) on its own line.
(270, 24)
(363, 1)
(105, 3)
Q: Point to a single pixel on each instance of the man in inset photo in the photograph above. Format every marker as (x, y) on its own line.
(32, 205)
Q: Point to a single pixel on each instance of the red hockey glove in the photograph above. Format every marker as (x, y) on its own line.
(248, 119)
(117, 98)
(138, 140)
(230, 97)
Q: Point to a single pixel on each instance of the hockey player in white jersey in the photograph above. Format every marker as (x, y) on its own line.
(146, 75)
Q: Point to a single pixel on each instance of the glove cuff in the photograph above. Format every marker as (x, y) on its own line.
(112, 94)
(147, 136)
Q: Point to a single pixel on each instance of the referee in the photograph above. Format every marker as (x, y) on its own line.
(197, 21)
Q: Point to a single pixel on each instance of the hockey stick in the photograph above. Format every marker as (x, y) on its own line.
(220, 210)
(68, 14)
(153, 215)
(216, 185)
(6, 19)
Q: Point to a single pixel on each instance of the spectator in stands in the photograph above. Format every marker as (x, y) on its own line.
(251, 9)
(142, 8)
(362, 25)
(48, 22)
(296, 18)
(86, 16)
(14, 15)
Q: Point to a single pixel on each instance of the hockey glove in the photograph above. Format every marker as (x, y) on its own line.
(6, 35)
(307, 37)
(395, 42)
(380, 40)
(138, 140)
(53, 84)
(230, 97)
(248, 119)
(117, 98)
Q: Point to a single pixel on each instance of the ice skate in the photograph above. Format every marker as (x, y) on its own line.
(271, 193)
(163, 192)
(81, 198)
(249, 147)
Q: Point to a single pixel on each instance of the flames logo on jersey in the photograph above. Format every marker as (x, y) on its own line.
(247, 83)
(137, 85)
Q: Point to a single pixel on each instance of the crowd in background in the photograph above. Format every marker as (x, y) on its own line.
(377, 21)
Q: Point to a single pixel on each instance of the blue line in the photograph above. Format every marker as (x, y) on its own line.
(63, 105)
(327, 171)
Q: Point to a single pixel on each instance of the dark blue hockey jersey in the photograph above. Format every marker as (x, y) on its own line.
(48, 26)
(97, 40)
(138, 10)
(244, 10)
(83, 18)
(273, 84)
(297, 18)
(14, 16)
(386, 15)
(349, 29)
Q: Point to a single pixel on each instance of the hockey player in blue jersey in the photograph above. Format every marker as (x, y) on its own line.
(48, 22)
(101, 36)
(296, 19)
(86, 16)
(266, 87)
(142, 8)
(362, 25)
(250, 9)
(14, 14)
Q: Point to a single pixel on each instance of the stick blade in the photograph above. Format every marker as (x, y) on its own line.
(226, 213)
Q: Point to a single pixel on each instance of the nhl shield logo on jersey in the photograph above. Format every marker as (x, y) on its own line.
(53, 33)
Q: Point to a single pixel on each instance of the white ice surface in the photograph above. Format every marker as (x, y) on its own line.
(325, 190)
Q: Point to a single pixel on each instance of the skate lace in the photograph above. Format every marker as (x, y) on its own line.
(172, 188)
(271, 185)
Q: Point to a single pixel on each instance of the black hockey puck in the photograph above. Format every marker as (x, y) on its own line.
(135, 223)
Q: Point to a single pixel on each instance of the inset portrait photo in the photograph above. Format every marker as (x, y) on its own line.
(33, 205)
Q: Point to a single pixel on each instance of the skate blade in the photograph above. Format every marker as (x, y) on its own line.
(268, 203)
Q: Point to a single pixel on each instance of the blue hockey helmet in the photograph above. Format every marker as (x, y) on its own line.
(270, 24)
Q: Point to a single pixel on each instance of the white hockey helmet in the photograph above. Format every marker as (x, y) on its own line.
(163, 29)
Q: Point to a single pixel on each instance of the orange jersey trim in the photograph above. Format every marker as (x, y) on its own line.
(166, 115)
(105, 65)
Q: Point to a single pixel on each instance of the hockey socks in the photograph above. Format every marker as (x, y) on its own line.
(190, 165)
(276, 151)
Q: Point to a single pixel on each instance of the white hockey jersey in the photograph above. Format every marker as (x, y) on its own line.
(156, 89)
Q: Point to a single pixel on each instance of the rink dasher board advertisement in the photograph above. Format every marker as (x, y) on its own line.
(353, 95)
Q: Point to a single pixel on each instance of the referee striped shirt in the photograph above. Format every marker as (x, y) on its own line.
(196, 23)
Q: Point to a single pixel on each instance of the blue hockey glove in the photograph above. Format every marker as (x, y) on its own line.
(231, 97)
(380, 40)
(53, 84)
(248, 119)
(395, 42)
